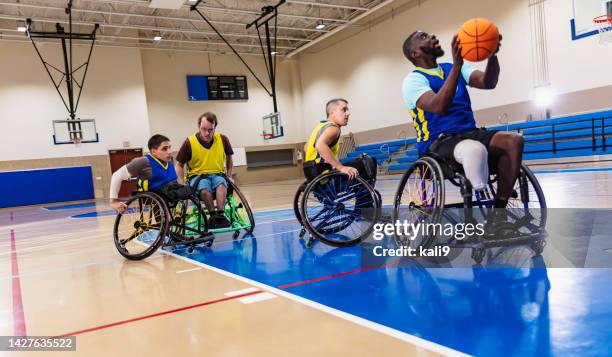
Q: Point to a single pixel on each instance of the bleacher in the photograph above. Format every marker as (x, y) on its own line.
(383, 152)
(562, 137)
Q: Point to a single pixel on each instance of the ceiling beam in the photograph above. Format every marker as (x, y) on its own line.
(152, 17)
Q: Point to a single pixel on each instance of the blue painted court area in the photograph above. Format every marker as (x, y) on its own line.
(527, 311)
(94, 214)
(71, 206)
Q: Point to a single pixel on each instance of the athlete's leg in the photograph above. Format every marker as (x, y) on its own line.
(507, 148)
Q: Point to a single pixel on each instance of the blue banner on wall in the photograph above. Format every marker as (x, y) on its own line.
(32, 187)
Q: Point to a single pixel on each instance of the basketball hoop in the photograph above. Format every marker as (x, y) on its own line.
(76, 141)
(605, 28)
(266, 136)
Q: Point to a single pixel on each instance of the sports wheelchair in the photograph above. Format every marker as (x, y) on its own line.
(152, 220)
(335, 209)
(421, 198)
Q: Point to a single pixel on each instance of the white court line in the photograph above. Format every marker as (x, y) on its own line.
(251, 299)
(279, 220)
(420, 342)
(240, 292)
(187, 270)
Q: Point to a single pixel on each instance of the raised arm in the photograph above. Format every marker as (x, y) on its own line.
(440, 102)
(487, 79)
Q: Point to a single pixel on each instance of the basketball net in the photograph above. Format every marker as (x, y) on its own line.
(76, 141)
(266, 136)
(604, 23)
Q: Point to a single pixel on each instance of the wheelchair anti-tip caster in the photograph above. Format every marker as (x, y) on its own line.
(478, 255)
(538, 246)
(309, 242)
(236, 234)
(302, 232)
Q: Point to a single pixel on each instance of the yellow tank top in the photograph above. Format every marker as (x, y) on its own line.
(206, 161)
(311, 150)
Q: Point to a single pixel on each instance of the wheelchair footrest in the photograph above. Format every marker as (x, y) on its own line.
(500, 242)
(208, 237)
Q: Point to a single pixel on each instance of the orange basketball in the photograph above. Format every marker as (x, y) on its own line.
(478, 38)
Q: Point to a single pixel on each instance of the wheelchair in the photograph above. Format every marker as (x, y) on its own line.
(421, 198)
(336, 210)
(152, 220)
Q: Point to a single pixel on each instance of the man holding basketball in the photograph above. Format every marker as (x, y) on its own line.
(442, 115)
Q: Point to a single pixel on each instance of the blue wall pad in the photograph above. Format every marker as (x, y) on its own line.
(31, 187)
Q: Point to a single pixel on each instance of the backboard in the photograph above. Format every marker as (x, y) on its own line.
(74, 131)
(272, 126)
(583, 12)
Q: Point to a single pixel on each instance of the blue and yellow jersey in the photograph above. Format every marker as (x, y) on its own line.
(312, 154)
(161, 174)
(459, 117)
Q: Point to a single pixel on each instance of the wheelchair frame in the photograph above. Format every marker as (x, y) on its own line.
(180, 223)
(299, 203)
(441, 170)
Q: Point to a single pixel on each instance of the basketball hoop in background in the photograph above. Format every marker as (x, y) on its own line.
(604, 23)
(77, 141)
(266, 137)
(77, 131)
(272, 127)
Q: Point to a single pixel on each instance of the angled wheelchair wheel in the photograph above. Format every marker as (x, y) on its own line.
(527, 205)
(297, 199)
(239, 211)
(337, 210)
(141, 228)
(419, 199)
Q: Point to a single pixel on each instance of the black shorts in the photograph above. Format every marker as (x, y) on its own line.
(367, 167)
(444, 145)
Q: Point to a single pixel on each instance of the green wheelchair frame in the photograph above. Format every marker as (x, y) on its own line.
(153, 221)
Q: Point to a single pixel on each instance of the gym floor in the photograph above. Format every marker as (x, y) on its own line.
(268, 294)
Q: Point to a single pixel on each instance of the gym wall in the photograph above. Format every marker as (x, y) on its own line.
(114, 96)
(172, 114)
(367, 67)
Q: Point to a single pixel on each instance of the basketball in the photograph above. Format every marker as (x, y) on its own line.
(478, 38)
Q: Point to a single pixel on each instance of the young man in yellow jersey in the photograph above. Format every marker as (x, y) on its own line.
(208, 153)
(322, 147)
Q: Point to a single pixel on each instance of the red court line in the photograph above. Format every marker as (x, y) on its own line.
(337, 275)
(101, 327)
(18, 314)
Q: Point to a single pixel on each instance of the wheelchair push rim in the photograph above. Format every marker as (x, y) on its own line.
(339, 211)
(419, 199)
(140, 229)
(238, 211)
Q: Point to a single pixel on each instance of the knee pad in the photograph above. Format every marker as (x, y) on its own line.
(473, 156)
